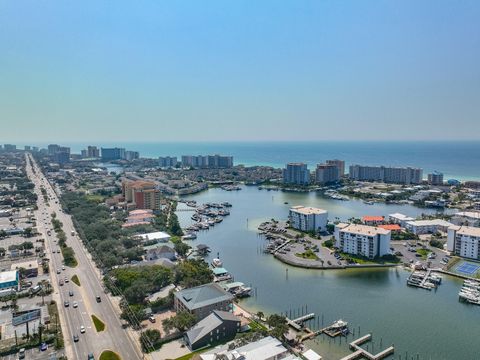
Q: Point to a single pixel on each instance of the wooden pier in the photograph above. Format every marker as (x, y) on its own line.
(360, 353)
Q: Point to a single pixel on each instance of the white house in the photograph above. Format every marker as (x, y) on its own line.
(363, 240)
(308, 218)
(469, 218)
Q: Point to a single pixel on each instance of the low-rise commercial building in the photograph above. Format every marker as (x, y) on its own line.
(308, 218)
(202, 300)
(464, 241)
(9, 280)
(218, 327)
(362, 240)
(30, 268)
(419, 227)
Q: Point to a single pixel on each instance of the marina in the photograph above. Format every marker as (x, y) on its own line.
(366, 297)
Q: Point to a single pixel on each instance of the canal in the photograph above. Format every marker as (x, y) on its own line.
(432, 324)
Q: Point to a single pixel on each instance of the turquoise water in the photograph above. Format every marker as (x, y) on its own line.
(455, 159)
(434, 325)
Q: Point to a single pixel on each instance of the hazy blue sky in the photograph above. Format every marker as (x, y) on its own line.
(239, 70)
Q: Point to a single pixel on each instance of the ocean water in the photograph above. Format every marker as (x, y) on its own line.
(459, 160)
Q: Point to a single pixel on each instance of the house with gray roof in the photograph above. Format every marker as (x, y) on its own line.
(202, 300)
(218, 327)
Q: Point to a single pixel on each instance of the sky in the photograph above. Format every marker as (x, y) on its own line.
(239, 70)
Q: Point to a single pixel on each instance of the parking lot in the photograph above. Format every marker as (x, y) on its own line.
(36, 354)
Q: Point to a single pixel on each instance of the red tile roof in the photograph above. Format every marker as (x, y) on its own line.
(373, 218)
(391, 227)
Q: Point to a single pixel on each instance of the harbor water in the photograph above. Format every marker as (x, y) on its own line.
(432, 324)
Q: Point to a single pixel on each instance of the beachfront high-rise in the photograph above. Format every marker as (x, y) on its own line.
(296, 173)
(363, 240)
(464, 241)
(396, 175)
(340, 164)
(327, 174)
(113, 154)
(435, 178)
(207, 161)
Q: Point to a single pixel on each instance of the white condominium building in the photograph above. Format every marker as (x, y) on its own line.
(399, 219)
(363, 240)
(464, 241)
(419, 227)
(308, 218)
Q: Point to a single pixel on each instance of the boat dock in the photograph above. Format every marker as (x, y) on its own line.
(280, 247)
(426, 280)
(360, 353)
(470, 292)
(298, 322)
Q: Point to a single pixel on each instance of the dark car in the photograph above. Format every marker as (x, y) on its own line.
(43, 347)
(90, 357)
(75, 338)
(66, 304)
(98, 298)
(70, 293)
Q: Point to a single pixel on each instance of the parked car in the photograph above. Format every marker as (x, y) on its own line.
(66, 304)
(152, 318)
(43, 347)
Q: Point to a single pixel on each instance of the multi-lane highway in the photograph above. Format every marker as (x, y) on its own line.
(72, 318)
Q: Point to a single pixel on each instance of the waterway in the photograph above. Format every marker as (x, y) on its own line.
(432, 324)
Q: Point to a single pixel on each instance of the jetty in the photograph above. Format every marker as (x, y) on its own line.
(360, 353)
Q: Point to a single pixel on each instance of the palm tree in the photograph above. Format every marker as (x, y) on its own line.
(260, 315)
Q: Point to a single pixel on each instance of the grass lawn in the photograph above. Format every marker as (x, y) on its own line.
(192, 354)
(109, 355)
(76, 280)
(309, 254)
(256, 326)
(96, 198)
(99, 324)
(423, 252)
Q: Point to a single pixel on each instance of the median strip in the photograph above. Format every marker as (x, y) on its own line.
(99, 324)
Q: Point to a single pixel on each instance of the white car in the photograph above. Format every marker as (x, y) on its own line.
(75, 304)
(82, 329)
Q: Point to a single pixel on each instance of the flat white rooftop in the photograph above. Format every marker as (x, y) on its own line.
(466, 230)
(401, 216)
(159, 235)
(469, 214)
(433, 222)
(8, 276)
(362, 229)
(308, 210)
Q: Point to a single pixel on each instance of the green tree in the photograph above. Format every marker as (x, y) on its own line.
(182, 321)
(279, 325)
(181, 248)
